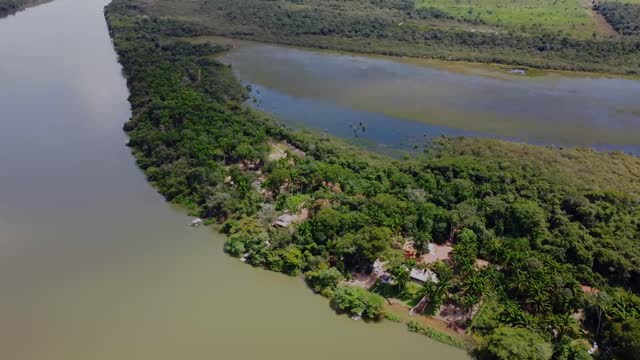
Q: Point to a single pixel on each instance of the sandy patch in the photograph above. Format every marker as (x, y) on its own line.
(437, 253)
(362, 280)
(279, 150)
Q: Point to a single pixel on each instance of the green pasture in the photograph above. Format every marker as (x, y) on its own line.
(573, 17)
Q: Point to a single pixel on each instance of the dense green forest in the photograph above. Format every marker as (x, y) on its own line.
(398, 28)
(546, 220)
(625, 18)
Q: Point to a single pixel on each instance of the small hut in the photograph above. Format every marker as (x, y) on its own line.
(422, 276)
(284, 220)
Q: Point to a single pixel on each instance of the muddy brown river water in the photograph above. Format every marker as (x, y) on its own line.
(94, 264)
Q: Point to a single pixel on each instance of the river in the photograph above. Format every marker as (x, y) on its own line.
(94, 264)
(398, 102)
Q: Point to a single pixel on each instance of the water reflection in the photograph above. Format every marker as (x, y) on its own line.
(553, 109)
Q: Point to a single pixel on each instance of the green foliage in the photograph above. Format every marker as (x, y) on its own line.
(465, 251)
(392, 317)
(572, 350)
(236, 246)
(434, 334)
(624, 340)
(412, 292)
(443, 271)
(520, 15)
(288, 260)
(437, 293)
(323, 279)
(362, 247)
(356, 301)
(401, 276)
(514, 343)
(294, 202)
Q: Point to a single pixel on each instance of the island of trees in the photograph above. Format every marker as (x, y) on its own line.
(545, 242)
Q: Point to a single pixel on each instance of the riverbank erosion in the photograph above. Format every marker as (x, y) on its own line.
(526, 225)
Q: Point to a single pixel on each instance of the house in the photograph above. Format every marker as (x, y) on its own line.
(284, 220)
(422, 276)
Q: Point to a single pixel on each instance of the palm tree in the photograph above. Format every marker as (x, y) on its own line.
(563, 324)
(474, 284)
(468, 302)
(436, 292)
(401, 274)
(402, 277)
(538, 298)
(519, 282)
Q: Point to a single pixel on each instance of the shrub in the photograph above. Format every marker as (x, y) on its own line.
(358, 301)
(416, 327)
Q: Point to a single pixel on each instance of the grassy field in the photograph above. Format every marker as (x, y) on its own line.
(529, 15)
(572, 17)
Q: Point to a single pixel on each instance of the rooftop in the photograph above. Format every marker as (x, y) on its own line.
(423, 275)
(284, 220)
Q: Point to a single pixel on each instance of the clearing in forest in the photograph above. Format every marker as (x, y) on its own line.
(568, 16)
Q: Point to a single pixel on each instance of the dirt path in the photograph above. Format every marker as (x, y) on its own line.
(402, 311)
(603, 28)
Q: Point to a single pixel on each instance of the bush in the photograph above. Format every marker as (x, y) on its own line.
(322, 279)
(416, 327)
(516, 343)
(392, 317)
(358, 301)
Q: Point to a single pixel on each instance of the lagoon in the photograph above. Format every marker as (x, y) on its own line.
(401, 102)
